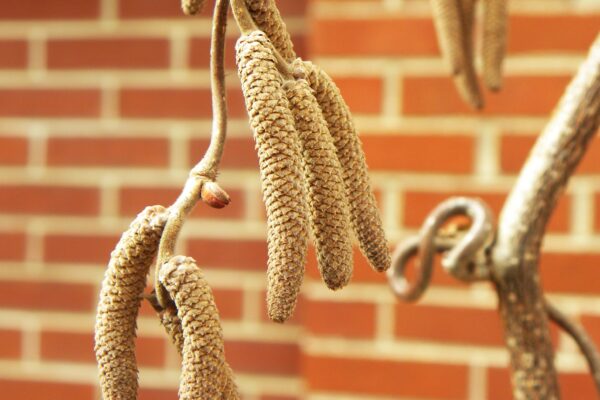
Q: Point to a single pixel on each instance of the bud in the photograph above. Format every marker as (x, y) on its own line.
(213, 195)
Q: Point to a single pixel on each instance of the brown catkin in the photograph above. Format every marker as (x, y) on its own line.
(120, 296)
(192, 7)
(495, 21)
(328, 205)
(172, 324)
(364, 214)
(280, 164)
(205, 373)
(268, 19)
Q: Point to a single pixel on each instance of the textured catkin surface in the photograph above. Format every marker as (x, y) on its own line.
(191, 7)
(328, 205)
(282, 178)
(124, 282)
(494, 41)
(267, 18)
(205, 373)
(170, 321)
(363, 208)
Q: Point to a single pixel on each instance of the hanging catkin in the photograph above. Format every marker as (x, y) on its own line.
(328, 205)
(494, 41)
(124, 282)
(267, 17)
(364, 214)
(453, 20)
(191, 7)
(170, 321)
(279, 157)
(205, 373)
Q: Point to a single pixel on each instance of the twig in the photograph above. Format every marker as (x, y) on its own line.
(585, 343)
(199, 184)
(242, 16)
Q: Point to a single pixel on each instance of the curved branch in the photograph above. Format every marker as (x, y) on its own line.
(197, 185)
(585, 343)
(242, 16)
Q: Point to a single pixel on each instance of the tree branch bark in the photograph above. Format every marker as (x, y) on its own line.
(522, 225)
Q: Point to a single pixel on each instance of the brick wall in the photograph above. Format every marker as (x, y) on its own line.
(104, 105)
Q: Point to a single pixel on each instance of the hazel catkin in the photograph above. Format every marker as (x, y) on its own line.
(280, 165)
(205, 373)
(364, 214)
(494, 41)
(268, 19)
(328, 206)
(120, 296)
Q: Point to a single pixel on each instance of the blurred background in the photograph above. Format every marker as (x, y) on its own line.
(105, 105)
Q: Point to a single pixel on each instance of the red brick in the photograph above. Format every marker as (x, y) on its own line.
(279, 398)
(133, 200)
(79, 347)
(388, 378)
(229, 303)
(14, 53)
(372, 37)
(175, 103)
(40, 390)
(51, 296)
(49, 9)
(13, 150)
(243, 254)
(572, 386)
(119, 53)
(51, 103)
(238, 152)
(109, 152)
(447, 324)
(570, 273)
(262, 357)
(10, 343)
(157, 394)
(417, 205)
(363, 95)
(592, 326)
(515, 150)
(520, 95)
(420, 153)
(79, 248)
(344, 319)
(562, 33)
(13, 246)
(56, 200)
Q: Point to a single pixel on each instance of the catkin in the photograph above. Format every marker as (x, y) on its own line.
(268, 19)
(205, 373)
(329, 213)
(170, 321)
(192, 7)
(494, 41)
(364, 214)
(124, 282)
(280, 164)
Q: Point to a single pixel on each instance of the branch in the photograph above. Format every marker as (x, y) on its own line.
(585, 343)
(200, 183)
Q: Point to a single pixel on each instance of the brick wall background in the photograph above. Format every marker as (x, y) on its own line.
(104, 105)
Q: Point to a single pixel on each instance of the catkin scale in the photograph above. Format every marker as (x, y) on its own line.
(268, 19)
(280, 165)
(123, 284)
(328, 206)
(364, 214)
(494, 41)
(192, 7)
(205, 373)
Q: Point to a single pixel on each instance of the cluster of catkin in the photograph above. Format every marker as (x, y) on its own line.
(192, 321)
(454, 22)
(313, 170)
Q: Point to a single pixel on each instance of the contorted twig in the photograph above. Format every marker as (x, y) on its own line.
(205, 373)
(191, 7)
(124, 282)
(279, 156)
(363, 209)
(329, 214)
(201, 181)
(585, 343)
(465, 258)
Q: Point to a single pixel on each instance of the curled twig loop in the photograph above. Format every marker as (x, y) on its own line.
(464, 248)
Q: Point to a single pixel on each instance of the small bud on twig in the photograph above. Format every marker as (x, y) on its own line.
(213, 195)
